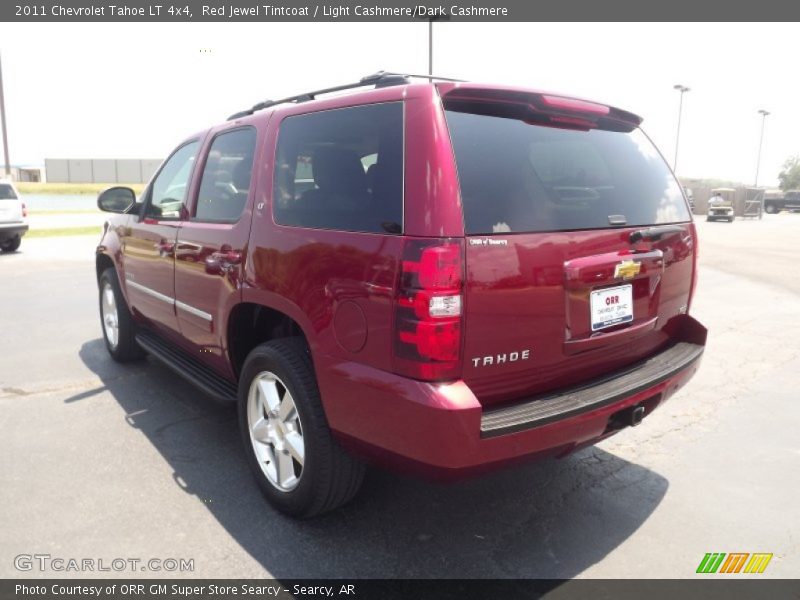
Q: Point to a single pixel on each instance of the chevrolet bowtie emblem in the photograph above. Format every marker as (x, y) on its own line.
(627, 269)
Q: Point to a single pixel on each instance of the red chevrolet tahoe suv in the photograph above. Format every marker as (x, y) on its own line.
(435, 276)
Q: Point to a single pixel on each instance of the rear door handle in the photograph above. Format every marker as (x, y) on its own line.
(231, 257)
(223, 261)
(165, 248)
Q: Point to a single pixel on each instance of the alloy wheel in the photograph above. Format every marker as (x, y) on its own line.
(110, 315)
(276, 433)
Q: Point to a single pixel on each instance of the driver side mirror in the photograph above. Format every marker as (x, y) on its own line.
(116, 199)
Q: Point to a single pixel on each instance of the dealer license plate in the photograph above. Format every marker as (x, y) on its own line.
(611, 306)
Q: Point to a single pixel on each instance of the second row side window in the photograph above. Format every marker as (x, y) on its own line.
(226, 176)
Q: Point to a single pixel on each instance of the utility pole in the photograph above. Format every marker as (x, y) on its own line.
(682, 89)
(763, 114)
(430, 48)
(3, 122)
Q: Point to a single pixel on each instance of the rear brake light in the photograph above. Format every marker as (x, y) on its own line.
(24, 210)
(428, 310)
(574, 105)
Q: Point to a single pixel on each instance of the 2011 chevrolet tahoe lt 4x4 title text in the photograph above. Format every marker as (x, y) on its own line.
(441, 277)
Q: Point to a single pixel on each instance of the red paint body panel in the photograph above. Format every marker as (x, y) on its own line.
(536, 292)
(433, 430)
(340, 289)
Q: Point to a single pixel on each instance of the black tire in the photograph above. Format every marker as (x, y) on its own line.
(126, 349)
(731, 220)
(328, 477)
(11, 245)
(770, 209)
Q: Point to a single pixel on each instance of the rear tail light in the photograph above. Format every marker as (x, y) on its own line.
(24, 210)
(695, 259)
(429, 309)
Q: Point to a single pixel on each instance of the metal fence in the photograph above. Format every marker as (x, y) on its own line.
(742, 197)
(100, 170)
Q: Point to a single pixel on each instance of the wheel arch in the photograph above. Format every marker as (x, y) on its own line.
(102, 262)
(251, 323)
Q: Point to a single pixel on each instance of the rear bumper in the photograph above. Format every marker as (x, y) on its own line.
(442, 431)
(9, 231)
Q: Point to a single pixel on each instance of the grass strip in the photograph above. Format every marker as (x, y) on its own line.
(71, 189)
(64, 231)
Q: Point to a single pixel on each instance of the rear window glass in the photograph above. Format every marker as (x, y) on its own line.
(7, 192)
(518, 177)
(342, 169)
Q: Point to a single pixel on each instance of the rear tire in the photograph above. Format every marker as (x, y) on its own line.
(11, 245)
(119, 331)
(770, 209)
(299, 468)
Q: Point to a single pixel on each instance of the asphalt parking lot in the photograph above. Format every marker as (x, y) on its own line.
(104, 461)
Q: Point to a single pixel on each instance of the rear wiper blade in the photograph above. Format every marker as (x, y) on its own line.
(654, 233)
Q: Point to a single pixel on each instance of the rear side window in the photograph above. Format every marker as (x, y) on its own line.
(7, 192)
(520, 177)
(341, 169)
(227, 173)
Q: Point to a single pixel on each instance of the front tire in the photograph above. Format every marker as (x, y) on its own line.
(11, 245)
(300, 469)
(118, 327)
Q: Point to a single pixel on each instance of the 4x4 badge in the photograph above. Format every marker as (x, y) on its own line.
(627, 269)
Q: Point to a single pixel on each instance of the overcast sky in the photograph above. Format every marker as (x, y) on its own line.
(134, 90)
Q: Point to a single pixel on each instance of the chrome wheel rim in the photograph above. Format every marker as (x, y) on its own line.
(275, 431)
(108, 304)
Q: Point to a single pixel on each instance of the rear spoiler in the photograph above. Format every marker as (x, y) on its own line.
(536, 107)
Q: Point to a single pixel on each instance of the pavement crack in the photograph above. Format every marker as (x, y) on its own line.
(74, 386)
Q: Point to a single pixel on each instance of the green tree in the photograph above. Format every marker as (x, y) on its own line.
(790, 176)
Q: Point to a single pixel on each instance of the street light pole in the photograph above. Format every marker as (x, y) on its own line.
(763, 114)
(3, 122)
(682, 89)
(430, 47)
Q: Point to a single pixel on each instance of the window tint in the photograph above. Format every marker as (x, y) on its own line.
(226, 176)
(7, 192)
(518, 177)
(342, 169)
(169, 187)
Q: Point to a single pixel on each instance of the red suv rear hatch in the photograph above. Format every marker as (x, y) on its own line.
(580, 246)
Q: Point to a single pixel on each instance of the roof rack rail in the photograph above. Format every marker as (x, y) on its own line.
(379, 80)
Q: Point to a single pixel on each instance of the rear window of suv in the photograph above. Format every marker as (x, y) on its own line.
(7, 192)
(520, 177)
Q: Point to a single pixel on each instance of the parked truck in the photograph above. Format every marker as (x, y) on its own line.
(787, 201)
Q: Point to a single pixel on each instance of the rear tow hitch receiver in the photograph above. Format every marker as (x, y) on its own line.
(637, 414)
(627, 417)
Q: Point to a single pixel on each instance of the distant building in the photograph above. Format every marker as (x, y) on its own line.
(24, 172)
(100, 170)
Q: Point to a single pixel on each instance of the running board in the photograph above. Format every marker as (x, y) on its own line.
(188, 367)
(541, 410)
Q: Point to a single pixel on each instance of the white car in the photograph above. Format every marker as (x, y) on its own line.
(13, 217)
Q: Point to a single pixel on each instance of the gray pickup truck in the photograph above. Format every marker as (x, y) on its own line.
(788, 201)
